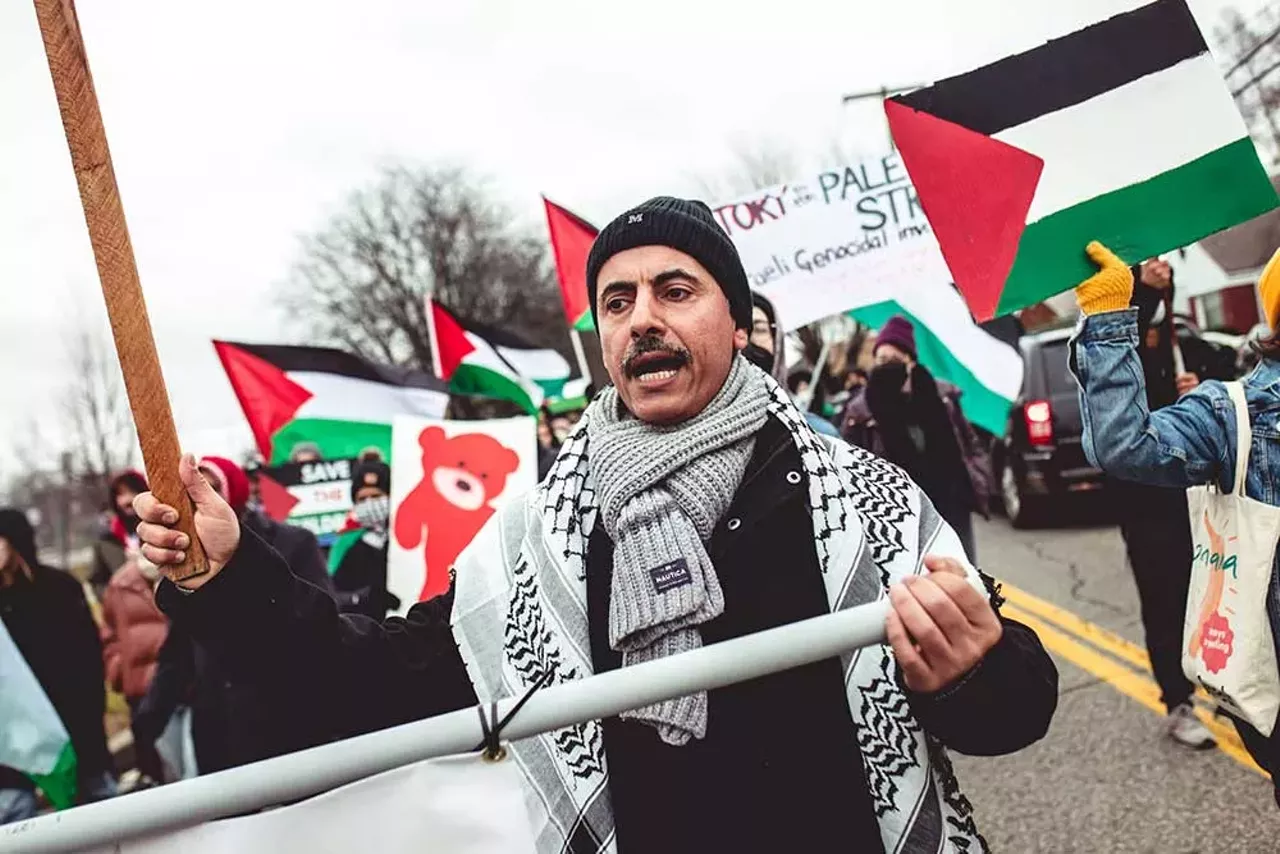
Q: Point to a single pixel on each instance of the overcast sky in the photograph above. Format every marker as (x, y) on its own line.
(237, 126)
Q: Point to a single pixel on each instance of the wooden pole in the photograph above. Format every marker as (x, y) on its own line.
(117, 269)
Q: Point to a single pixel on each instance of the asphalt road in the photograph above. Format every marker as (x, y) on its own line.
(1105, 779)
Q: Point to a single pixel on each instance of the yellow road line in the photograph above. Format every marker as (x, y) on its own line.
(1133, 685)
(1122, 648)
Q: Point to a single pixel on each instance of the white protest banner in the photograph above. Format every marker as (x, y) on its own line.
(447, 478)
(318, 495)
(454, 805)
(855, 239)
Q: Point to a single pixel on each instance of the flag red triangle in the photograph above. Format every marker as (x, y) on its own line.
(976, 192)
(451, 340)
(277, 501)
(571, 239)
(266, 394)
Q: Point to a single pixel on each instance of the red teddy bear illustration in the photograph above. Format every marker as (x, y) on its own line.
(460, 477)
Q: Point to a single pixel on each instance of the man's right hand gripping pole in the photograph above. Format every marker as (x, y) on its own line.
(215, 524)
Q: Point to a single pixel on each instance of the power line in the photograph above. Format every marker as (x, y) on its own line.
(1257, 78)
(1252, 52)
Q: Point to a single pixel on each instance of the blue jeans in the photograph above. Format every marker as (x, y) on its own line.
(17, 805)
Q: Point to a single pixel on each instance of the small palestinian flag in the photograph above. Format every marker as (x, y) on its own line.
(33, 739)
(571, 239)
(339, 402)
(1121, 132)
(478, 360)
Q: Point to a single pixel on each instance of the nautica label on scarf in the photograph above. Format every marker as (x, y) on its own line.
(671, 575)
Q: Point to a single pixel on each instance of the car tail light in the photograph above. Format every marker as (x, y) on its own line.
(1039, 417)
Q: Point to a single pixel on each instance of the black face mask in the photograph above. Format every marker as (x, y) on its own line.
(759, 356)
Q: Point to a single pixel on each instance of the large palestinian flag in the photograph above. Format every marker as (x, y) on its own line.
(1121, 132)
(475, 359)
(571, 239)
(334, 399)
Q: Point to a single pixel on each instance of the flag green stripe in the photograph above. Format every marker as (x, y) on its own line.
(584, 323)
(59, 785)
(479, 381)
(1225, 187)
(982, 406)
(341, 546)
(338, 440)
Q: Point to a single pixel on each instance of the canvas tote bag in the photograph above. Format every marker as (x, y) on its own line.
(1227, 645)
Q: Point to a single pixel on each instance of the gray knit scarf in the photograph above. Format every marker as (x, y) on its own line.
(661, 492)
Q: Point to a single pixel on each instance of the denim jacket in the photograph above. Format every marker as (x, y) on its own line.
(1190, 443)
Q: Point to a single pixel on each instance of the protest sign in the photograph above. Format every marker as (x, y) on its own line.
(854, 239)
(458, 804)
(1021, 163)
(317, 495)
(447, 478)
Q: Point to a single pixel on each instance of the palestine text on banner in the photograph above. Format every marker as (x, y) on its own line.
(338, 401)
(454, 805)
(571, 239)
(33, 739)
(475, 359)
(1021, 163)
(447, 478)
(855, 239)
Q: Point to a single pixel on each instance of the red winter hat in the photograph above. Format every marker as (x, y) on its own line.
(234, 478)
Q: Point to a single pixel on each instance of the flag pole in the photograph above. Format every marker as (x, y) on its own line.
(117, 267)
(299, 775)
(435, 342)
(583, 367)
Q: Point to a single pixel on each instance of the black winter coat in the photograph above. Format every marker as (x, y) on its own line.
(234, 721)
(50, 622)
(342, 675)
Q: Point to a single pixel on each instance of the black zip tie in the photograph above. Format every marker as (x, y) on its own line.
(492, 727)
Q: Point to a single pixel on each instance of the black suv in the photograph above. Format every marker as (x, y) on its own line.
(1040, 460)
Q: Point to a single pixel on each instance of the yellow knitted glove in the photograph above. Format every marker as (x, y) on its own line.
(1109, 289)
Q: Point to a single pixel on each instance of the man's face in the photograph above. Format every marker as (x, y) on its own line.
(761, 330)
(124, 500)
(886, 353)
(666, 331)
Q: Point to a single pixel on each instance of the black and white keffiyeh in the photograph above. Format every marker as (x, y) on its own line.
(520, 615)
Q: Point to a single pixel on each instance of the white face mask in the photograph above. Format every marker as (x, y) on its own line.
(373, 513)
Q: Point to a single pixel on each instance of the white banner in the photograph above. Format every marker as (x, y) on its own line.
(447, 478)
(837, 240)
(454, 805)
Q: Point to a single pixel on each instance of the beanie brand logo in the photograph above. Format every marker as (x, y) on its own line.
(634, 218)
(671, 575)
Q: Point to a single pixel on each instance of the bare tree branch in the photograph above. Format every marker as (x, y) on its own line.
(1252, 52)
(361, 282)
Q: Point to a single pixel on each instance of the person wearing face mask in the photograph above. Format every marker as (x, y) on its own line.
(906, 416)
(766, 348)
(45, 612)
(361, 577)
(119, 538)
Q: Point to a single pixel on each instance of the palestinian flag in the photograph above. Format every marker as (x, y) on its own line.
(1121, 132)
(479, 360)
(33, 739)
(341, 402)
(571, 239)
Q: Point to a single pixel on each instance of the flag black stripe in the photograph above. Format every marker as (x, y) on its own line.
(1065, 71)
(327, 360)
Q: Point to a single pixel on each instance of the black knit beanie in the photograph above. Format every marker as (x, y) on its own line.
(16, 528)
(688, 226)
(370, 473)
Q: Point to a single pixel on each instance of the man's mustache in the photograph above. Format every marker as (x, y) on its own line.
(650, 345)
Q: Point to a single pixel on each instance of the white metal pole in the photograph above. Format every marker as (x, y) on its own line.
(309, 772)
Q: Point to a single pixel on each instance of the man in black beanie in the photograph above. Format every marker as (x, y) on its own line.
(360, 581)
(692, 505)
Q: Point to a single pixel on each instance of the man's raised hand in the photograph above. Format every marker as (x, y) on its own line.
(216, 526)
(940, 626)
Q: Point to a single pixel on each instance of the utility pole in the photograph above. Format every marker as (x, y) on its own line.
(881, 95)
